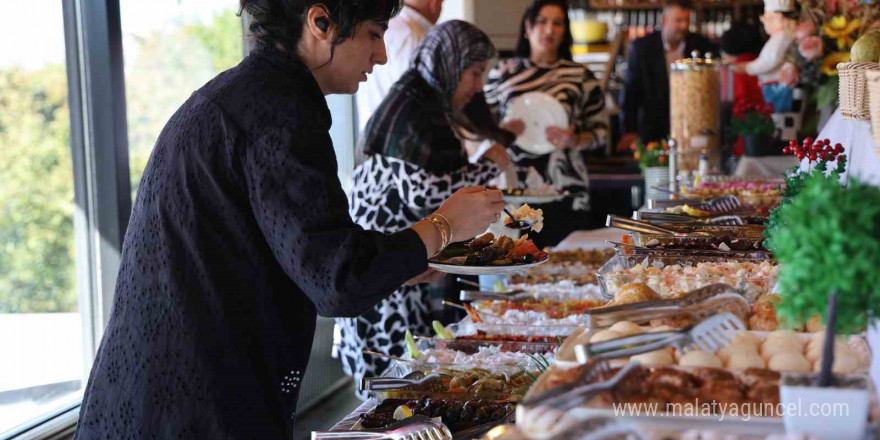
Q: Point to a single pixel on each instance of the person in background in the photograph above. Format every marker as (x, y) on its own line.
(410, 159)
(740, 44)
(543, 63)
(240, 236)
(645, 97)
(405, 32)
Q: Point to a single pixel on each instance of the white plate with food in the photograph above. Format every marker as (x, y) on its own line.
(488, 255)
(482, 270)
(538, 111)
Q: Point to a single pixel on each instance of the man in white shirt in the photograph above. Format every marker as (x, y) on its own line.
(405, 32)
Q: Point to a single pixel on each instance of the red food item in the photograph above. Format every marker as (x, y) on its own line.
(528, 248)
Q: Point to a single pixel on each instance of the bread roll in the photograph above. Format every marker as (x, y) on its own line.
(737, 349)
(626, 328)
(745, 360)
(845, 361)
(604, 335)
(789, 361)
(635, 292)
(815, 324)
(699, 358)
(781, 341)
(657, 357)
(814, 351)
(661, 328)
(747, 338)
(786, 335)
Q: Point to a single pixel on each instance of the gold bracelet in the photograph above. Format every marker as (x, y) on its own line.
(448, 225)
(444, 234)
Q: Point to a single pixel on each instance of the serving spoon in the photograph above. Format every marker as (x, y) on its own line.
(521, 225)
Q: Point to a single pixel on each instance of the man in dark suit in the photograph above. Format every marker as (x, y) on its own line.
(645, 98)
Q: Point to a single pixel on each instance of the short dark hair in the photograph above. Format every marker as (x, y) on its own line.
(742, 38)
(281, 21)
(683, 4)
(524, 49)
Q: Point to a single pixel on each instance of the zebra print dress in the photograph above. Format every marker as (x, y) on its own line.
(578, 90)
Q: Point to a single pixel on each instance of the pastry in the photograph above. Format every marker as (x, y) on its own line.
(845, 361)
(737, 349)
(789, 361)
(699, 358)
(657, 357)
(781, 341)
(635, 292)
(748, 359)
(626, 328)
(815, 324)
(604, 335)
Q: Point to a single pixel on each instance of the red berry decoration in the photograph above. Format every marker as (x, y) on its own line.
(812, 157)
(838, 148)
(786, 150)
(827, 142)
(800, 155)
(808, 140)
(823, 156)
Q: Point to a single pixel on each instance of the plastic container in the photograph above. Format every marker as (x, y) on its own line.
(695, 109)
(673, 275)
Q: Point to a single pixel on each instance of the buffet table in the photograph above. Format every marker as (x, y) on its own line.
(591, 239)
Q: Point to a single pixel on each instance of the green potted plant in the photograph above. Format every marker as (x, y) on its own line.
(754, 124)
(829, 252)
(653, 160)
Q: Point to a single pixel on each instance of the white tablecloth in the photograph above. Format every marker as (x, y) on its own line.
(855, 136)
(771, 167)
(592, 239)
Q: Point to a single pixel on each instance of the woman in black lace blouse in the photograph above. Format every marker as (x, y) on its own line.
(240, 235)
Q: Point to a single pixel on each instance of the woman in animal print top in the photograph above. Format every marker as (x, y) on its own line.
(544, 64)
(410, 160)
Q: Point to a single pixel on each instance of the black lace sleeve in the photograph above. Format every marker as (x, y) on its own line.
(303, 213)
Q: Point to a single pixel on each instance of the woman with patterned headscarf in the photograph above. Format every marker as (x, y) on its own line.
(411, 159)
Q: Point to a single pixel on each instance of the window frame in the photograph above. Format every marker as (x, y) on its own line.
(101, 178)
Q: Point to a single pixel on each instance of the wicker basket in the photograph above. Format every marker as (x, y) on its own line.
(854, 89)
(873, 81)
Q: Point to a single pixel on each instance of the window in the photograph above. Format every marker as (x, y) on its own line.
(41, 327)
(171, 49)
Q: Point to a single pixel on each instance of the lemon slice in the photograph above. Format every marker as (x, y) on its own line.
(402, 412)
(441, 331)
(411, 345)
(695, 212)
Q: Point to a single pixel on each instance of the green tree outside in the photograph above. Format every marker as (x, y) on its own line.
(37, 270)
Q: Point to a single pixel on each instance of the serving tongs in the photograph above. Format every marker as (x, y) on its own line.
(417, 427)
(643, 227)
(698, 304)
(589, 374)
(710, 335)
(483, 295)
(717, 205)
(412, 380)
(574, 397)
(723, 220)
